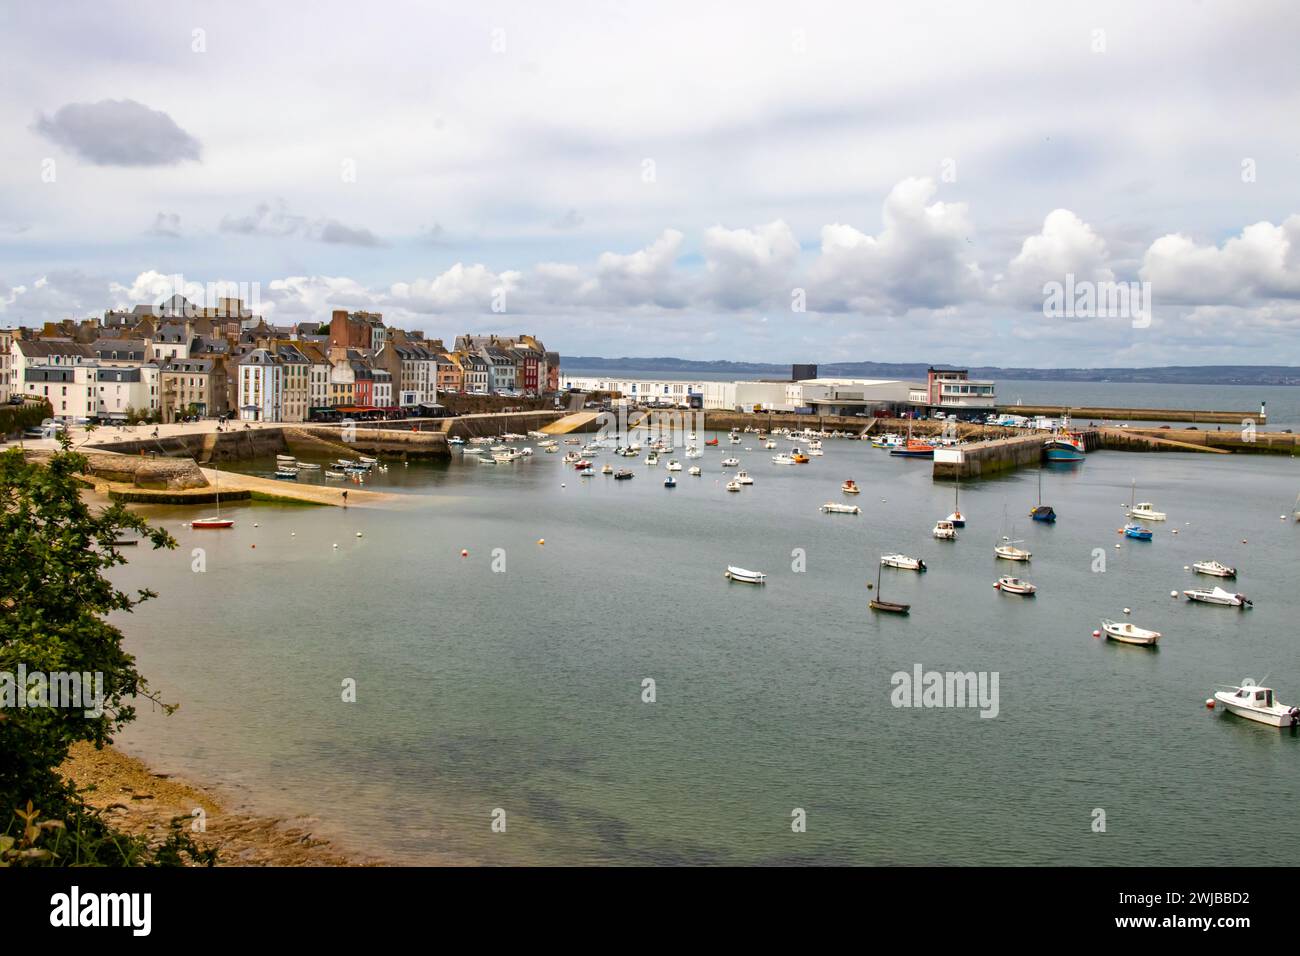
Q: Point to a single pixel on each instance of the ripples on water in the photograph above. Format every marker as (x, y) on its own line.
(522, 690)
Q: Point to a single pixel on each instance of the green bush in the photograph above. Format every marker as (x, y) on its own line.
(15, 418)
(54, 550)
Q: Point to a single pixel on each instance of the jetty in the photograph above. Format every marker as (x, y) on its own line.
(1116, 414)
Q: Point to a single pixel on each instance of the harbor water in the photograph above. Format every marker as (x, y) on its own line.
(515, 677)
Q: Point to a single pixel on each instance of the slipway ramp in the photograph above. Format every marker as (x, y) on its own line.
(577, 422)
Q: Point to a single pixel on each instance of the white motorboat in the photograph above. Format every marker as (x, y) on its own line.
(674, 465)
(572, 458)
(1218, 595)
(652, 458)
(730, 462)
(1015, 586)
(455, 440)
(1007, 549)
(733, 485)
(902, 562)
(286, 458)
(694, 471)
(742, 476)
(745, 577)
(1258, 704)
(834, 508)
(1147, 511)
(693, 452)
(783, 460)
(1214, 568)
(769, 444)
(1127, 633)
(586, 472)
(944, 531)
(539, 436)
(736, 439)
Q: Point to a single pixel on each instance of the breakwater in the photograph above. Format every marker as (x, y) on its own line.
(1103, 413)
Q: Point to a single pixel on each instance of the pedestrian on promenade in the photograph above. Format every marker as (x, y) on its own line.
(345, 498)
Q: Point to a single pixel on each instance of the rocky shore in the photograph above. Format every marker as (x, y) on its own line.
(139, 801)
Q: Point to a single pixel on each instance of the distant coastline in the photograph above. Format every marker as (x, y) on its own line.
(1274, 375)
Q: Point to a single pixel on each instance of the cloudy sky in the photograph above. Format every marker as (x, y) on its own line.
(773, 182)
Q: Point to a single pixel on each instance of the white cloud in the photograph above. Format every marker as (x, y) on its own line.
(1262, 262)
(1066, 245)
(749, 267)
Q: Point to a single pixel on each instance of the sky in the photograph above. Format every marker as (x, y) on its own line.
(894, 182)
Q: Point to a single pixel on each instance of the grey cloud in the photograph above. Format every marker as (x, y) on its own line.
(570, 220)
(277, 222)
(118, 133)
(167, 224)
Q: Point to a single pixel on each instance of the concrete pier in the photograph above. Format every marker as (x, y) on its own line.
(985, 458)
(1079, 413)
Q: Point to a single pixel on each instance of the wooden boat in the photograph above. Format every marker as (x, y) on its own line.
(1214, 568)
(1015, 586)
(834, 508)
(1218, 595)
(1127, 633)
(745, 577)
(1258, 704)
(902, 562)
(850, 487)
(878, 603)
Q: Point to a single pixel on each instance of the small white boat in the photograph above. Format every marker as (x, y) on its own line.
(1015, 586)
(902, 561)
(745, 577)
(783, 460)
(572, 458)
(730, 462)
(816, 452)
(367, 461)
(742, 476)
(850, 487)
(1218, 595)
(694, 452)
(586, 472)
(735, 439)
(1214, 568)
(1127, 633)
(1258, 704)
(454, 440)
(769, 444)
(944, 531)
(287, 458)
(694, 471)
(674, 465)
(835, 508)
(308, 466)
(733, 485)
(652, 458)
(1145, 509)
(1007, 549)
(607, 469)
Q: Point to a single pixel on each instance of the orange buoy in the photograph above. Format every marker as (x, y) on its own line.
(541, 541)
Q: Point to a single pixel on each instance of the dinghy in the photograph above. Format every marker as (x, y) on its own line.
(743, 576)
(832, 507)
(1015, 586)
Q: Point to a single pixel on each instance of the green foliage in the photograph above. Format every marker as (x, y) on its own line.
(54, 596)
(15, 418)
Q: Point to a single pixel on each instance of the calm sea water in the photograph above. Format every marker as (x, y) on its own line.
(1283, 403)
(521, 689)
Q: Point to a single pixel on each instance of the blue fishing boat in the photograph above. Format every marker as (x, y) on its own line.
(1063, 448)
(1137, 531)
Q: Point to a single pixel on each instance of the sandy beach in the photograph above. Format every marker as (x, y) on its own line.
(141, 802)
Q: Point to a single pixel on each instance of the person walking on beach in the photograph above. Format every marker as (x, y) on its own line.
(345, 497)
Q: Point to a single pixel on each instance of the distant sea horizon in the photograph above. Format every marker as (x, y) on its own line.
(1282, 402)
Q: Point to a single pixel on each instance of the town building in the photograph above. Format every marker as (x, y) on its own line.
(192, 387)
(261, 387)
